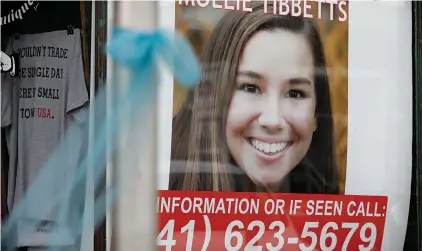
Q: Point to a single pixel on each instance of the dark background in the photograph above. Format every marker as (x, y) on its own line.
(42, 16)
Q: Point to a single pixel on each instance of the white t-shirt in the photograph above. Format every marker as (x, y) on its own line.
(37, 108)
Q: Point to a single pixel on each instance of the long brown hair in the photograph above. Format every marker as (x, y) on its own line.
(200, 156)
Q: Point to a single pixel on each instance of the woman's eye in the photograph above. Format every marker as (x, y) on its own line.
(250, 88)
(295, 94)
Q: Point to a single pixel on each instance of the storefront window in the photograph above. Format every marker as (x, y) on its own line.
(295, 135)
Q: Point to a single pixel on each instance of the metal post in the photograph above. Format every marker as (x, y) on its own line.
(135, 218)
(110, 97)
(87, 240)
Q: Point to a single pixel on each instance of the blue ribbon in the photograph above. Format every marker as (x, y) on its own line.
(142, 53)
(135, 50)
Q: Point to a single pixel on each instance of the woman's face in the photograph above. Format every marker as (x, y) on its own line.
(271, 117)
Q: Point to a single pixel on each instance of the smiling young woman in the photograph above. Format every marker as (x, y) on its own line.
(269, 127)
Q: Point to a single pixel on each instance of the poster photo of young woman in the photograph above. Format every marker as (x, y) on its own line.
(270, 112)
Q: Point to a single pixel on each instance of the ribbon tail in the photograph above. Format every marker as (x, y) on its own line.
(180, 58)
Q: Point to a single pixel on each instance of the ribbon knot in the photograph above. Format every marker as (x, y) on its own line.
(137, 50)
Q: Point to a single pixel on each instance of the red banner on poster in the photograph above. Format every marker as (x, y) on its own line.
(268, 221)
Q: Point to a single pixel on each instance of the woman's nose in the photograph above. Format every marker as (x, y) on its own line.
(271, 117)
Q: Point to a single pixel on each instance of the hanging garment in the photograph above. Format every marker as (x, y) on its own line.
(48, 95)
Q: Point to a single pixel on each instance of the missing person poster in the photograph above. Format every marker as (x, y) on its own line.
(270, 113)
(259, 146)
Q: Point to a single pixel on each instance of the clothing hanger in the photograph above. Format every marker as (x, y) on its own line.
(70, 29)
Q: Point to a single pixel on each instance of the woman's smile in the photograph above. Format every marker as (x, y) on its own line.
(269, 152)
(269, 148)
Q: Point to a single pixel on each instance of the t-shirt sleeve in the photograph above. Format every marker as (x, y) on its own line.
(6, 99)
(77, 94)
(6, 92)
